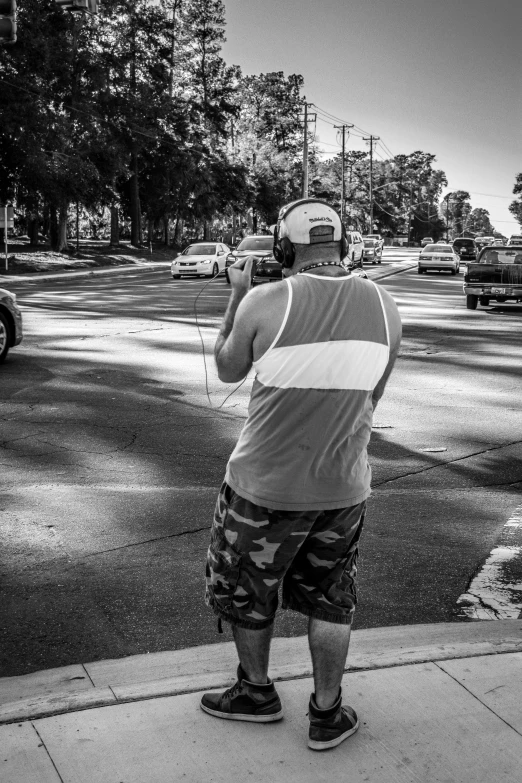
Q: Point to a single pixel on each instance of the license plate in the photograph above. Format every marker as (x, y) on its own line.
(498, 290)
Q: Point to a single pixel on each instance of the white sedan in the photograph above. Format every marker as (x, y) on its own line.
(204, 259)
(440, 257)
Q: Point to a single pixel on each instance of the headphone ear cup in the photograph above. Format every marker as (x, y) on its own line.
(287, 253)
(344, 243)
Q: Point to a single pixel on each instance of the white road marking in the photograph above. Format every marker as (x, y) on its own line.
(491, 595)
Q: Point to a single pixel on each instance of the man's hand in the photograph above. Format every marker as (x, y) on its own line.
(240, 275)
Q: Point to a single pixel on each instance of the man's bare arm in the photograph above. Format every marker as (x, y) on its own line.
(233, 351)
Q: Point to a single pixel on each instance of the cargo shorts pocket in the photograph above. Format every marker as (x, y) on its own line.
(222, 572)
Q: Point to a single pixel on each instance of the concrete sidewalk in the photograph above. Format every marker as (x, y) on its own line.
(436, 703)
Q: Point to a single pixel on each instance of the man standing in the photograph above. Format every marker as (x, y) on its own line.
(322, 343)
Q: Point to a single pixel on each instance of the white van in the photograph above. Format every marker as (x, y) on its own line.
(355, 249)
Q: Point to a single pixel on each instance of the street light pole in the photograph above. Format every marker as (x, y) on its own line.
(371, 139)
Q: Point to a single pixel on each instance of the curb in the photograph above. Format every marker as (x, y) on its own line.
(153, 266)
(172, 673)
(390, 272)
(30, 276)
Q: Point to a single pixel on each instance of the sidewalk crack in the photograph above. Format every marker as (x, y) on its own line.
(47, 751)
(477, 698)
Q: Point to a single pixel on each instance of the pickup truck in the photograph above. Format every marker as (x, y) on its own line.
(495, 275)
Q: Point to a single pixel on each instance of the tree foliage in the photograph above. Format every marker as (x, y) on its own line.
(516, 206)
(135, 109)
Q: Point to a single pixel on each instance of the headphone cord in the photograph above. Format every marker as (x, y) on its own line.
(204, 354)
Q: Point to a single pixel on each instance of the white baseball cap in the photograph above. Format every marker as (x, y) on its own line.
(309, 222)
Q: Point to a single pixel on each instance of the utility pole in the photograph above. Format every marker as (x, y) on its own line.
(410, 212)
(343, 128)
(307, 118)
(233, 143)
(371, 139)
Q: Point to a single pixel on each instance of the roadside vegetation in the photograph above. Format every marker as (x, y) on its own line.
(129, 125)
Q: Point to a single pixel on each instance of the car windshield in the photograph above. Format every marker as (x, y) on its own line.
(200, 250)
(370, 242)
(462, 242)
(256, 243)
(437, 249)
(501, 256)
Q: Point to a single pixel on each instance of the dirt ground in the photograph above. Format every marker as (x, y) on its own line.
(23, 258)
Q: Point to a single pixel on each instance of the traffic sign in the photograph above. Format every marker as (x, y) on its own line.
(10, 216)
(7, 21)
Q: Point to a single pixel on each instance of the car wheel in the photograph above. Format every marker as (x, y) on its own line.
(5, 337)
(227, 278)
(420, 271)
(484, 301)
(215, 270)
(176, 277)
(453, 271)
(379, 260)
(471, 301)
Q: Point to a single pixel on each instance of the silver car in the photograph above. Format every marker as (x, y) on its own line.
(10, 323)
(440, 257)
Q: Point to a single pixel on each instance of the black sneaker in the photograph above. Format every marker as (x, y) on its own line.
(330, 727)
(245, 701)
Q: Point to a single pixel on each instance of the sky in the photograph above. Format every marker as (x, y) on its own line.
(442, 76)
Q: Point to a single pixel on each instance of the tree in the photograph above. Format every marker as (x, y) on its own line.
(516, 206)
(479, 222)
(268, 139)
(456, 209)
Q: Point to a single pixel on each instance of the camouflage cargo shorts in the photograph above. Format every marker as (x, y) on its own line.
(253, 549)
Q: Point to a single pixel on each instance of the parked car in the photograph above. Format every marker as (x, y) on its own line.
(10, 323)
(378, 237)
(203, 259)
(355, 249)
(465, 248)
(496, 274)
(440, 257)
(427, 241)
(261, 246)
(372, 251)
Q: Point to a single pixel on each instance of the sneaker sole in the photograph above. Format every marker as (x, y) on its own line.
(239, 716)
(317, 745)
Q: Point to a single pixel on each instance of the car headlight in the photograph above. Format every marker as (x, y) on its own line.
(206, 261)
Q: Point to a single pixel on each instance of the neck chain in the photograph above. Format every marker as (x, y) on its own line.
(321, 263)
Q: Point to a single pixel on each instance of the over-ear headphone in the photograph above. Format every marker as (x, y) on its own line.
(284, 250)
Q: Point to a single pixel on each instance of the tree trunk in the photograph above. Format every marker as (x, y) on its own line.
(53, 226)
(150, 231)
(33, 225)
(135, 206)
(166, 229)
(61, 229)
(115, 227)
(46, 227)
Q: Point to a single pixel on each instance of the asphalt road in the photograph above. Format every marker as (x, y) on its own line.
(112, 451)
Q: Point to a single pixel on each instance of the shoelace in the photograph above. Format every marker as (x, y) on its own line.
(231, 692)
